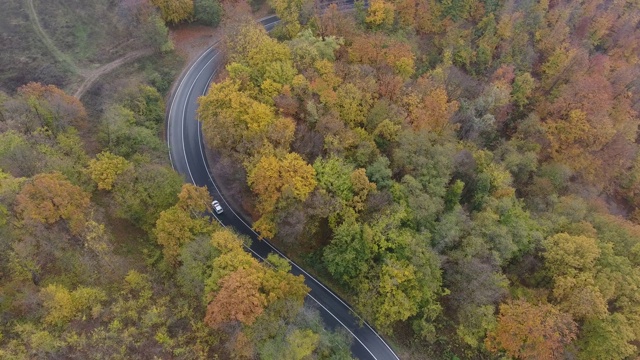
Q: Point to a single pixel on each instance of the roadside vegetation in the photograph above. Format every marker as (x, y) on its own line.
(464, 172)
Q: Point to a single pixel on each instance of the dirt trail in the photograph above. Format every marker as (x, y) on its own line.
(93, 75)
(90, 75)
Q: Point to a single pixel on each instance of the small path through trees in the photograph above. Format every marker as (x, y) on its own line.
(90, 76)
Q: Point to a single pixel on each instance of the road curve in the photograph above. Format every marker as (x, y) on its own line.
(187, 155)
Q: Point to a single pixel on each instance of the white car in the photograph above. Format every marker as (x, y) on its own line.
(216, 207)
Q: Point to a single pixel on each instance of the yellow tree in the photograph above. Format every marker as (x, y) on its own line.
(573, 140)
(556, 66)
(395, 297)
(289, 12)
(233, 121)
(570, 255)
(181, 223)
(174, 11)
(48, 198)
(571, 261)
(232, 258)
(582, 121)
(273, 177)
(353, 104)
(361, 187)
(301, 344)
(105, 168)
(299, 177)
(195, 199)
(62, 305)
(428, 16)
(262, 57)
(326, 83)
(380, 15)
(579, 296)
(279, 284)
(176, 227)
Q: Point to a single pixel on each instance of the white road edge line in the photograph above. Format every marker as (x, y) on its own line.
(184, 110)
(344, 326)
(173, 100)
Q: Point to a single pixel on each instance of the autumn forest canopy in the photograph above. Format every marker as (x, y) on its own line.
(465, 173)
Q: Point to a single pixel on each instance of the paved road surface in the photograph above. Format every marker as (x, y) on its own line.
(186, 150)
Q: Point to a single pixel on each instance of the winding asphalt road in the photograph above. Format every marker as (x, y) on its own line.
(186, 151)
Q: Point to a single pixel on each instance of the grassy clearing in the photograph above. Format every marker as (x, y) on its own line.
(70, 25)
(25, 57)
(69, 44)
(44, 37)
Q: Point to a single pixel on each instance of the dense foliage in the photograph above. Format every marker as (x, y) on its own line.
(107, 254)
(206, 12)
(464, 171)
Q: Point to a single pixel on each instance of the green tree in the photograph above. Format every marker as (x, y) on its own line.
(523, 87)
(333, 175)
(475, 322)
(424, 207)
(380, 173)
(347, 257)
(393, 295)
(507, 228)
(143, 192)
(425, 157)
(122, 136)
(208, 12)
(306, 49)
(607, 338)
(289, 11)
(196, 258)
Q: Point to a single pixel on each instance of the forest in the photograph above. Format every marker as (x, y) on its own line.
(106, 253)
(465, 173)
